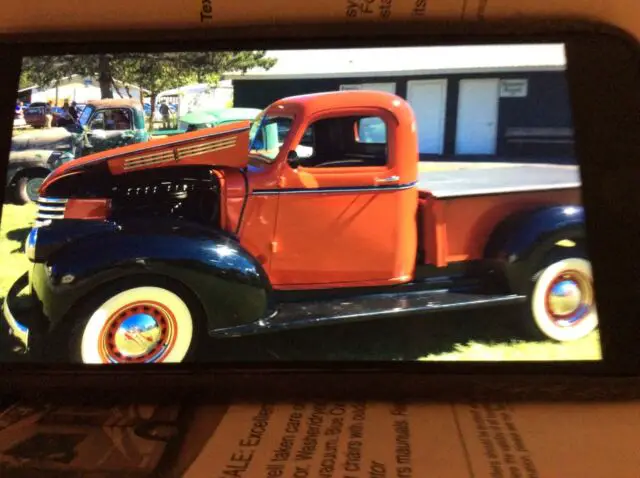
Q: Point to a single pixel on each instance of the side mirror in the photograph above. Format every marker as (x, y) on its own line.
(293, 159)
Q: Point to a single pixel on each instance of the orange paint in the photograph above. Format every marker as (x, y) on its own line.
(223, 146)
(458, 229)
(87, 209)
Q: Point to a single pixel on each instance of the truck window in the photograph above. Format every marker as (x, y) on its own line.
(348, 141)
(117, 119)
(372, 130)
(267, 136)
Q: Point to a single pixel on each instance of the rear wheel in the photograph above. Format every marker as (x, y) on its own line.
(136, 324)
(562, 299)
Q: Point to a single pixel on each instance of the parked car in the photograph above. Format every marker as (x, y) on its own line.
(102, 125)
(139, 253)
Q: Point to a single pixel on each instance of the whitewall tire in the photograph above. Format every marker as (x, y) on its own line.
(562, 300)
(138, 325)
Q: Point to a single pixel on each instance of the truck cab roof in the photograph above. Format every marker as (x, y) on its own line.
(359, 99)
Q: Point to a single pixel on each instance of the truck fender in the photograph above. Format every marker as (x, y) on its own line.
(230, 285)
(521, 241)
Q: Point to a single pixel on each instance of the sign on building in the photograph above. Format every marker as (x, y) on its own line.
(514, 88)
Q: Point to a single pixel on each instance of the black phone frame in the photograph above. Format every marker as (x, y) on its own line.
(604, 77)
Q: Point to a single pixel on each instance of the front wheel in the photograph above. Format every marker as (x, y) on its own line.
(27, 189)
(138, 324)
(562, 300)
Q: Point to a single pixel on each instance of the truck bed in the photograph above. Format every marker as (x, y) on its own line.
(449, 180)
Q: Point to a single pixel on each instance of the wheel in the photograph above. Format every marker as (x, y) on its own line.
(136, 324)
(26, 189)
(562, 300)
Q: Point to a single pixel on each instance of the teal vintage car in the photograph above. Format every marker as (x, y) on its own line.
(102, 125)
(205, 118)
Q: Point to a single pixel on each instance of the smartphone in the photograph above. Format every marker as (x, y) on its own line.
(401, 201)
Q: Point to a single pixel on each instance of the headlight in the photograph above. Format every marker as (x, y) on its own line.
(30, 246)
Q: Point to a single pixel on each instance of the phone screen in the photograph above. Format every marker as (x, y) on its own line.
(397, 203)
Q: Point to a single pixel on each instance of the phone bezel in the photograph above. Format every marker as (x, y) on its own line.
(588, 45)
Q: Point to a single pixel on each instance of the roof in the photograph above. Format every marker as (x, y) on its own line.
(407, 61)
(310, 103)
(115, 103)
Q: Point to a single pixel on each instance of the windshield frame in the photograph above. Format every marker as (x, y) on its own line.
(88, 108)
(257, 125)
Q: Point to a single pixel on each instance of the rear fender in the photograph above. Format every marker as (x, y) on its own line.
(521, 241)
(229, 283)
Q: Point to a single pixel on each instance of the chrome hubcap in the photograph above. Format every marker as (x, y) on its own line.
(140, 333)
(33, 186)
(564, 297)
(569, 298)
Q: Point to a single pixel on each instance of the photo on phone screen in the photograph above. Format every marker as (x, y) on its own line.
(396, 203)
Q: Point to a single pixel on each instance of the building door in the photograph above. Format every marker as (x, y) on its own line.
(428, 98)
(477, 122)
(387, 87)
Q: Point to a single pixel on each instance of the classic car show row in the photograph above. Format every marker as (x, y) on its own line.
(319, 208)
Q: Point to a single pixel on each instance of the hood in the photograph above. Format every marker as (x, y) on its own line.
(42, 139)
(226, 145)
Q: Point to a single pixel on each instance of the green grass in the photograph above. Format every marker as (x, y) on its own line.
(451, 337)
(15, 224)
(584, 349)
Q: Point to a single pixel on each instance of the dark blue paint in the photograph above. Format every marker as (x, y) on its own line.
(229, 283)
(523, 240)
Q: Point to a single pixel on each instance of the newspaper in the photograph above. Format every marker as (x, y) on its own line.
(37, 15)
(323, 440)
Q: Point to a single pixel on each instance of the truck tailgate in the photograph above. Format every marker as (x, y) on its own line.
(449, 180)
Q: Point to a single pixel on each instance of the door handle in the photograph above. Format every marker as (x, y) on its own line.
(387, 180)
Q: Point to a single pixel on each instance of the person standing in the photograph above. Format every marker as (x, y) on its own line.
(48, 114)
(73, 111)
(166, 115)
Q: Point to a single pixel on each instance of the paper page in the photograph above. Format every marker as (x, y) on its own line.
(36, 15)
(377, 440)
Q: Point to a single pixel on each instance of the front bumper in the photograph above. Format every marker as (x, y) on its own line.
(17, 332)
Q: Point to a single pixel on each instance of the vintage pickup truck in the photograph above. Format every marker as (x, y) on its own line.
(102, 125)
(141, 252)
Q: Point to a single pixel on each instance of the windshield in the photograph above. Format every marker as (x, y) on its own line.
(83, 119)
(268, 134)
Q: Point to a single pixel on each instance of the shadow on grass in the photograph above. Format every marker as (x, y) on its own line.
(19, 235)
(388, 340)
(405, 339)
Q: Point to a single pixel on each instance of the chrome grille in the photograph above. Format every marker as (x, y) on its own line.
(49, 209)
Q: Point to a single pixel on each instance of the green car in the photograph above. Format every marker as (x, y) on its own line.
(202, 119)
(102, 125)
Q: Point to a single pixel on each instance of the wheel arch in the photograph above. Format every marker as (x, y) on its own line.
(522, 241)
(230, 290)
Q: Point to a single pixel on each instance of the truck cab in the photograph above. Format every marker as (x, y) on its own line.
(318, 211)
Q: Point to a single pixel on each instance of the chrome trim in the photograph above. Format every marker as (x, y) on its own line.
(52, 200)
(51, 208)
(162, 146)
(50, 216)
(18, 330)
(356, 189)
(48, 209)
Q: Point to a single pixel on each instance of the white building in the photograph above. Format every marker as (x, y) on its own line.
(79, 89)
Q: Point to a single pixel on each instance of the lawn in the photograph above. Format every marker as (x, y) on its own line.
(15, 224)
(481, 336)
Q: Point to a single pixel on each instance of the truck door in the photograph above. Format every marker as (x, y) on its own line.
(347, 202)
(111, 128)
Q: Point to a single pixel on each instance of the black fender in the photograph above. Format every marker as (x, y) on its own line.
(226, 280)
(521, 241)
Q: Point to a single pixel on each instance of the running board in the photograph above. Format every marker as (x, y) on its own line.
(297, 315)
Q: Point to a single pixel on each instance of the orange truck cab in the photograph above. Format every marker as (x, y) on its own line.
(318, 211)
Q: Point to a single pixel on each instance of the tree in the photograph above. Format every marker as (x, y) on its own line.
(158, 72)
(44, 71)
(154, 72)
